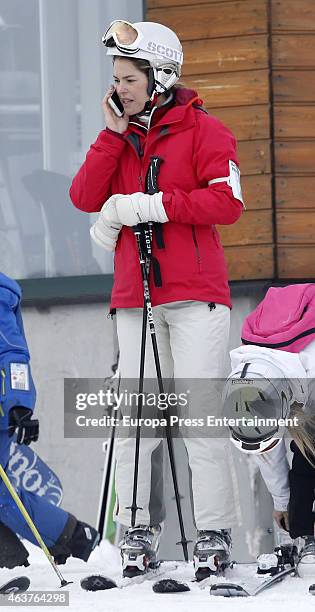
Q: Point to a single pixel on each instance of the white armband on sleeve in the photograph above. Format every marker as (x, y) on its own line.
(233, 180)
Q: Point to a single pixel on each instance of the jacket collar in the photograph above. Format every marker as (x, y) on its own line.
(173, 112)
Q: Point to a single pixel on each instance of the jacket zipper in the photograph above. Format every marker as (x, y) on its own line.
(141, 158)
(2, 390)
(2, 382)
(196, 246)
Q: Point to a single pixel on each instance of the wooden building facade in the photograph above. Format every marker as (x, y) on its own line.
(253, 64)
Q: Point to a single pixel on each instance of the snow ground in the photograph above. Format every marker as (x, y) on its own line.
(287, 596)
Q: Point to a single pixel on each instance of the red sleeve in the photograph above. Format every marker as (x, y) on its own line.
(214, 146)
(91, 185)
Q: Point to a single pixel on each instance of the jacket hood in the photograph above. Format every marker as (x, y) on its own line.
(183, 96)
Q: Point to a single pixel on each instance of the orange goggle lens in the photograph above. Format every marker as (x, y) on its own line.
(122, 32)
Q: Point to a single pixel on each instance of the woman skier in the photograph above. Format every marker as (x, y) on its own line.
(199, 186)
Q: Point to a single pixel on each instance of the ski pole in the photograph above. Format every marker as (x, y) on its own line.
(111, 383)
(143, 234)
(152, 187)
(145, 261)
(32, 527)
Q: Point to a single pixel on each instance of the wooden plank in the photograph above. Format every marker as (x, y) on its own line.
(153, 4)
(296, 227)
(253, 227)
(296, 262)
(294, 85)
(250, 262)
(231, 89)
(246, 122)
(225, 54)
(293, 50)
(295, 157)
(254, 157)
(295, 192)
(257, 191)
(294, 122)
(213, 20)
(293, 15)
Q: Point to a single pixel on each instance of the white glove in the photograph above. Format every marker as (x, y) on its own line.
(105, 234)
(134, 208)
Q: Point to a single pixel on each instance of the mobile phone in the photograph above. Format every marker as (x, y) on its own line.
(115, 103)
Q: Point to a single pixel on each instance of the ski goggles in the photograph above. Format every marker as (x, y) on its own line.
(254, 448)
(256, 408)
(123, 35)
(129, 40)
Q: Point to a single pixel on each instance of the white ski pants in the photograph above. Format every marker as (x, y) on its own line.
(192, 343)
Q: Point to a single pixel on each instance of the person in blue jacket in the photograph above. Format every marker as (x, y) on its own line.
(62, 533)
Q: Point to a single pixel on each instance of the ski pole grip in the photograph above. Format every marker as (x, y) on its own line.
(151, 184)
(153, 173)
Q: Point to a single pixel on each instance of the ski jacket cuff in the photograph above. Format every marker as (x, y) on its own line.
(116, 134)
(280, 502)
(108, 137)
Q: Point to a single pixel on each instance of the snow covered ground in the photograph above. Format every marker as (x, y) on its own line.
(287, 596)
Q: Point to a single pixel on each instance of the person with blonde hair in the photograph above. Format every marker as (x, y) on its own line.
(271, 390)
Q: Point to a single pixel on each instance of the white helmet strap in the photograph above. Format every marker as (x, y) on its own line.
(165, 77)
(161, 80)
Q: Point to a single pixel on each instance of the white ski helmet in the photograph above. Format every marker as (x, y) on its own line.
(150, 41)
(255, 397)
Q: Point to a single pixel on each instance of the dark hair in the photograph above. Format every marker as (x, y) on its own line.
(141, 64)
(144, 65)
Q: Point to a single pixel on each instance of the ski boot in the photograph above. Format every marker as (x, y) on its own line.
(139, 549)
(283, 556)
(78, 539)
(212, 553)
(306, 560)
(12, 551)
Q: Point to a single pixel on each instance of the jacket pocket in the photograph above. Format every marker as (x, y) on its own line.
(197, 251)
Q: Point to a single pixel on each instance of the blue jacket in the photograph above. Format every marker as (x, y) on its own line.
(16, 383)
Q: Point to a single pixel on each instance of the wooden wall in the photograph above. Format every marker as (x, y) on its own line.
(293, 82)
(225, 47)
(253, 63)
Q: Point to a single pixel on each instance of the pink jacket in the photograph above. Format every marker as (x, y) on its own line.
(284, 320)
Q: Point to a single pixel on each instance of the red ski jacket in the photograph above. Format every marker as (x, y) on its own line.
(195, 148)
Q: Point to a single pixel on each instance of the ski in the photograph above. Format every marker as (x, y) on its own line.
(173, 585)
(271, 568)
(249, 588)
(98, 582)
(169, 585)
(16, 585)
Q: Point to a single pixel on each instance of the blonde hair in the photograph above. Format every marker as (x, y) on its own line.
(304, 434)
